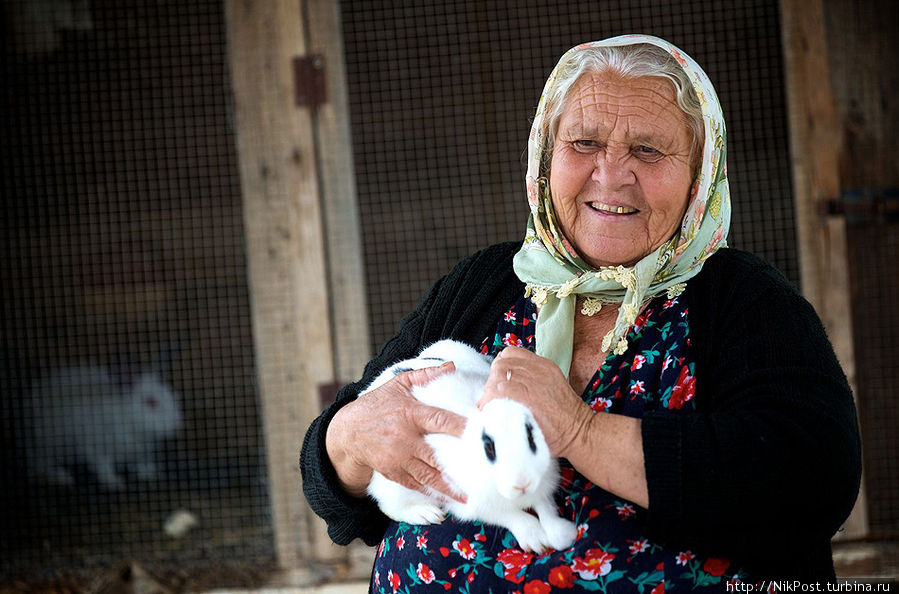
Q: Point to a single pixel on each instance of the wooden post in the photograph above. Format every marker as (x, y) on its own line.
(343, 237)
(339, 204)
(816, 140)
(285, 248)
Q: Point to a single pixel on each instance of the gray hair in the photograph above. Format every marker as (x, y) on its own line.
(630, 62)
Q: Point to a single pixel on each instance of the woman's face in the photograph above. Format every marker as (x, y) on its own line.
(621, 172)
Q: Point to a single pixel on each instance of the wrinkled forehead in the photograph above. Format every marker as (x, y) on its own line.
(601, 98)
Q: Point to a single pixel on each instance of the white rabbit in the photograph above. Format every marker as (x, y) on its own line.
(86, 416)
(501, 463)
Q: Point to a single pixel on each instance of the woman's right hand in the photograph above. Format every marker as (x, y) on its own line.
(384, 430)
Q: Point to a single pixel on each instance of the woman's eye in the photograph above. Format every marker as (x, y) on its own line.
(648, 153)
(585, 146)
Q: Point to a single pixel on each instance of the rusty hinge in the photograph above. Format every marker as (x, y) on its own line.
(327, 393)
(309, 80)
(863, 206)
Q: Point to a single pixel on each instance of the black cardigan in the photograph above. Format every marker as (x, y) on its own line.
(763, 473)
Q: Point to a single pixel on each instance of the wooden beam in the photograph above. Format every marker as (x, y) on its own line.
(285, 248)
(343, 237)
(816, 141)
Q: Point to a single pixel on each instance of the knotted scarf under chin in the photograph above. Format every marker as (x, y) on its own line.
(554, 288)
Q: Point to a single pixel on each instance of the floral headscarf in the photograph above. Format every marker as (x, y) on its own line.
(554, 274)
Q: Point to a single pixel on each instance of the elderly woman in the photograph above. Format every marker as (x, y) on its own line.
(705, 429)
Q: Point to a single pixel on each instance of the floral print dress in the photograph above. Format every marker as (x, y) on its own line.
(612, 552)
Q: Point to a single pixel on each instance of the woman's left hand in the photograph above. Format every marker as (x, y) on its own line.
(538, 383)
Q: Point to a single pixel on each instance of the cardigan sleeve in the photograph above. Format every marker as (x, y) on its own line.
(769, 465)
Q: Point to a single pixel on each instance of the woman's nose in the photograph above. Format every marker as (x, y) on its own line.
(612, 170)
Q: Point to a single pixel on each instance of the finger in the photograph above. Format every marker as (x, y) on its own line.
(431, 419)
(420, 377)
(426, 478)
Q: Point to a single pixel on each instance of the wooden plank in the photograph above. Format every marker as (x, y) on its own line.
(816, 141)
(285, 248)
(339, 204)
(343, 236)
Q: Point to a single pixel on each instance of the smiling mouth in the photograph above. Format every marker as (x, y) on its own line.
(622, 210)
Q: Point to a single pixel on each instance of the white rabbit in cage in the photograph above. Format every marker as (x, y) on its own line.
(101, 420)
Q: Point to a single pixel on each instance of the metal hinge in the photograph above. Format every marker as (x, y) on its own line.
(309, 80)
(865, 206)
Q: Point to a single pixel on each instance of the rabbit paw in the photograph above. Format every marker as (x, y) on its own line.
(560, 533)
(529, 534)
(419, 512)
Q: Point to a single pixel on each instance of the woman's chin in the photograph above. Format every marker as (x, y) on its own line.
(611, 255)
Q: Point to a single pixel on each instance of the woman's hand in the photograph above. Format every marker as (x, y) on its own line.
(606, 448)
(384, 430)
(538, 383)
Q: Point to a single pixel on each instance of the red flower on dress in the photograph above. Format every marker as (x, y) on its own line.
(514, 561)
(595, 563)
(581, 530)
(394, 580)
(509, 316)
(464, 548)
(638, 546)
(625, 510)
(715, 566)
(480, 537)
(421, 542)
(660, 588)
(684, 557)
(561, 577)
(452, 572)
(425, 574)
(510, 339)
(637, 387)
(567, 476)
(444, 551)
(639, 360)
(641, 320)
(400, 543)
(537, 587)
(601, 404)
(683, 390)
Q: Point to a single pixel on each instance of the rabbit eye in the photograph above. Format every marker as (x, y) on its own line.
(151, 403)
(489, 447)
(531, 443)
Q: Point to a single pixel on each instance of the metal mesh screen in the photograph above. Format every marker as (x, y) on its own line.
(442, 95)
(129, 405)
(874, 249)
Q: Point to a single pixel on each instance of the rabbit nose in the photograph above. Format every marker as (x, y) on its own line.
(522, 485)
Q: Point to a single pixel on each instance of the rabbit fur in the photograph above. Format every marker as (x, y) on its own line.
(501, 463)
(87, 416)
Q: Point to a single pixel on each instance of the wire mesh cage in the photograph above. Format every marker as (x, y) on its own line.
(441, 99)
(131, 429)
(131, 422)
